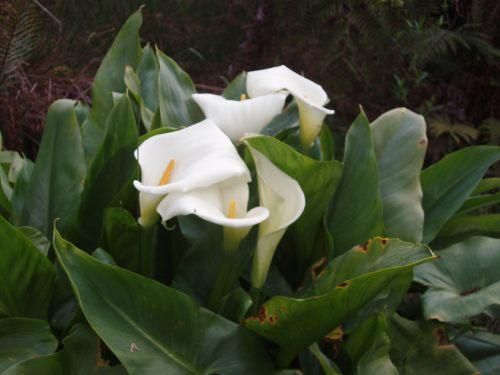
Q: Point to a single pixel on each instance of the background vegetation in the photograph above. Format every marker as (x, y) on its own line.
(437, 57)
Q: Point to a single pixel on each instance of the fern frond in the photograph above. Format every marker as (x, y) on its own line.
(439, 126)
(18, 37)
(490, 128)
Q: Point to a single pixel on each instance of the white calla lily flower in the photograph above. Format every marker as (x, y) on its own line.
(310, 97)
(224, 204)
(195, 157)
(284, 199)
(237, 117)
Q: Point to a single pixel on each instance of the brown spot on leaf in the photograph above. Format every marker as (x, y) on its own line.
(342, 285)
(470, 291)
(365, 245)
(318, 267)
(262, 315)
(441, 336)
(360, 249)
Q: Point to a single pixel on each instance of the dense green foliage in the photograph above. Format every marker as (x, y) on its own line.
(86, 289)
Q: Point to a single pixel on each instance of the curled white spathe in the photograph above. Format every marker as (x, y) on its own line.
(310, 97)
(203, 156)
(285, 200)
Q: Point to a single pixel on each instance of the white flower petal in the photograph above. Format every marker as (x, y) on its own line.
(236, 117)
(203, 156)
(310, 96)
(212, 204)
(284, 199)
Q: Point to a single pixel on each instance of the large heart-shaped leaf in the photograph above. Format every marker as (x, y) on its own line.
(422, 348)
(175, 90)
(464, 282)
(400, 142)
(294, 324)
(112, 167)
(57, 179)
(155, 329)
(27, 277)
(378, 254)
(79, 356)
(317, 179)
(355, 214)
(448, 183)
(22, 339)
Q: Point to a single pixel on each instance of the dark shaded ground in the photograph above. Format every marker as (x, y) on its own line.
(435, 57)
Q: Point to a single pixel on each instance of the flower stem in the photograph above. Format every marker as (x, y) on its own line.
(255, 294)
(224, 281)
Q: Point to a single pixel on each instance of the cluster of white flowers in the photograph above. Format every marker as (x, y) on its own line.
(197, 170)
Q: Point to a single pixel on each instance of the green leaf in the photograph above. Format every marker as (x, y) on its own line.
(125, 50)
(37, 238)
(316, 362)
(400, 142)
(21, 192)
(155, 329)
(479, 201)
(482, 349)
(154, 132)
(288, 119)
(369, 345)
(422, 348)
(463, 282)
(464, 226)
(235, 305)
(147, 70)
(236, 88)
(379, 254)
(112, 168)
(103, 256)
(318, 180)
(79, 356)
(22, 339)
(125, 240)
(27, 276)
(326, 144)
(57, 179)
(355, 214)
(294, 324)
(175, 90)
(448, 183)
(146, 83)
(487, 184)
(132, 82)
